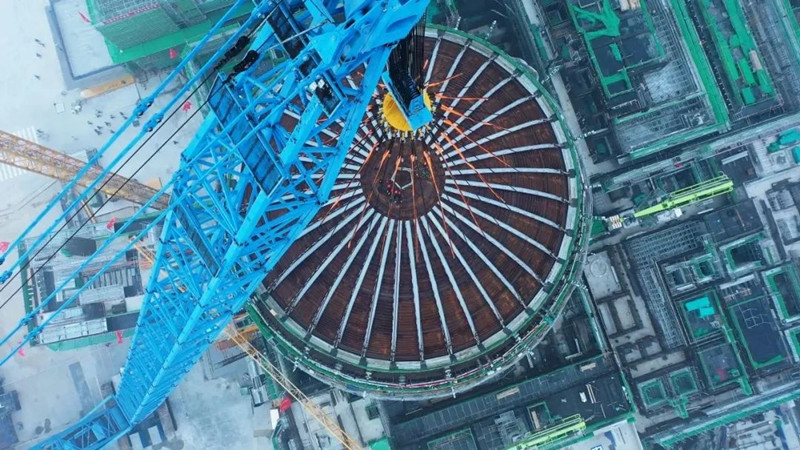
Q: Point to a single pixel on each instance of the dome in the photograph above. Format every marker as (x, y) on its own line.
(443, 254)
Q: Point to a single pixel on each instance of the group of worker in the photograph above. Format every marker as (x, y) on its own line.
(388, 188)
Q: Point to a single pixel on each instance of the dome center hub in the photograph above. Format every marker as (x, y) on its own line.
(403, 180)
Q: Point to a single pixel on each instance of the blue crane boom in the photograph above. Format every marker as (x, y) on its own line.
(247, 185)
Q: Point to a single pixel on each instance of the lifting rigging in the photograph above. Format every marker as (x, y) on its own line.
(247, 185)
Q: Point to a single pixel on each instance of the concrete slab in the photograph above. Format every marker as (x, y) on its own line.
(84, 46)
(212, 414)
(601, 277)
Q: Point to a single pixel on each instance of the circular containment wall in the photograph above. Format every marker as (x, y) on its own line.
(443, 254)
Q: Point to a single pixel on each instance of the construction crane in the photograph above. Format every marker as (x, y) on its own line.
(262, 163)
(689, 195)
(242, 338)
(39, 159)
(311, 407)
(30, 156)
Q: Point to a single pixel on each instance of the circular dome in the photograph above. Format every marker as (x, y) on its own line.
(442, 253)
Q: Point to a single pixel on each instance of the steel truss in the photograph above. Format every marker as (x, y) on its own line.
(247, 186)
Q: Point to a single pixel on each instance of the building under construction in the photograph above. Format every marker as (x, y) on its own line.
(703, 311)
(152, 34)
(647, 76)
(473, 236)
(109, 309)
(446, 270)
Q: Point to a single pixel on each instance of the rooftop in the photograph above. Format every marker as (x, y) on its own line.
(455, 261)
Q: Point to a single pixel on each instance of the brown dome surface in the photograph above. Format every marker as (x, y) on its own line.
(438, 251)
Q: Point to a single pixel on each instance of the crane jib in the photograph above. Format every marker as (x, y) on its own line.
(248, 185)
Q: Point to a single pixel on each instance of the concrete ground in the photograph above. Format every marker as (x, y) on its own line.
(213, 415)
(55, 387)
(83, 45)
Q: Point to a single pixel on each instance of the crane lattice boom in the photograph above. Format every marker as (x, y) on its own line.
(263, 162)
(27, 155)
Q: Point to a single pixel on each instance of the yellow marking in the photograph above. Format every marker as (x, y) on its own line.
(394, 117)
(112, 85)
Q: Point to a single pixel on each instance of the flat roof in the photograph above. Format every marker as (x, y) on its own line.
(733, 221)
(563, 391)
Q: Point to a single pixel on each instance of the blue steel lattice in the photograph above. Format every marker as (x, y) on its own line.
(247, 185)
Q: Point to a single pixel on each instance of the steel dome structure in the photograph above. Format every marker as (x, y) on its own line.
(443, 254)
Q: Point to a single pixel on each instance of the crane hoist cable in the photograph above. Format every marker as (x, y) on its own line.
(250, 58)
(231, 53)
(253, 21)
(29, 316)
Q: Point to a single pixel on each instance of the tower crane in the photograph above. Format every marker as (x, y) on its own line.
(258, 170)
(36, 158)
(30, 156)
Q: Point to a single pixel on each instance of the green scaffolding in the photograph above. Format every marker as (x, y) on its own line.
(673, 390)
(794, 341)
(88, 341)
(701, 316)
(794, 16)
(783, 281)
(137, 28)
(745, 242)
(704, 267)
(692, 40)
(683, 382)
(155, 37)
(155, 53)
(737, 51)
(606, 30)
(600, 29)
(722, 366)
(653, 393)
(757, 364)
(381, 444)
